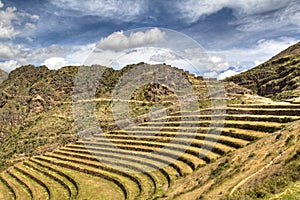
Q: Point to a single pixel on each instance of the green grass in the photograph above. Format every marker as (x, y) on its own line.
(178, 165)
(89, 186)
(38, 191)
(291, 193)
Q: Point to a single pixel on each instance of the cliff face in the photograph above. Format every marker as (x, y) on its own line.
(278, 78)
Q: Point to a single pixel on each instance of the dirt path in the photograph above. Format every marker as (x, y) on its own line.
(107, 99)
(249, 177)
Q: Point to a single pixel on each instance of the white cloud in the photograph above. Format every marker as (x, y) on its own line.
(219, 63)
(163, 57)
(9, 65)
(118, 41)
(239, 59)
(216, 59)
(77, 55)
(40, 54)
(7, 17)
(22, 55)
(287, 18)
(151, 55)
(250, 15)
(9, 51)
(194, 9)
(10, 19)
(55, 62)
(55, 56)
(258, 62)
(211, 74)
(113, 9)
(121, 58)
(226, 74)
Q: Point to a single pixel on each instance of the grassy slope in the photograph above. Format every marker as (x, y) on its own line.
(41, 102)
(3, 75)
(278, 78)
(36, 108)
(278, 179)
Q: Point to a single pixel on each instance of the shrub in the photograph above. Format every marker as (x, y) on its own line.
(278, 136)
(289, 140)
(251, 155)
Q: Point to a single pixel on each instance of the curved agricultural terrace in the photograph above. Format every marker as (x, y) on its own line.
(93, 168)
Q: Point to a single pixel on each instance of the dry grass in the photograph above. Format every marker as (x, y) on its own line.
(90, 186)
(241, 164)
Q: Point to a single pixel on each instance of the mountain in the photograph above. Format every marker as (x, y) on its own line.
(50, 148)
(277, 78)
(36, 106)
(3, 75)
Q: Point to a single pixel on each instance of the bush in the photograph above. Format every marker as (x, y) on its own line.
(289, 140)
(278, 136)
(257, 193)
(251, 155)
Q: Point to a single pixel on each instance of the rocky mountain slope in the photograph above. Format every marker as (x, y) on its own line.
(36, 118)
(278, 78)
(257, 171)
(3, 75)
(36, 106)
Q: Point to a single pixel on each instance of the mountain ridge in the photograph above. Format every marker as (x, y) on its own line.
(277, 78)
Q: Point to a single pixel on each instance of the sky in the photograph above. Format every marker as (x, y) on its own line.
(234, 35)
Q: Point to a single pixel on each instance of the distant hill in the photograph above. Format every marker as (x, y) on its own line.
(3, 75)
(278, 78)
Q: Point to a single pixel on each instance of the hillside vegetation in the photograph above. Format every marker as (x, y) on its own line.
(210, 168)
(230, 144)
(3, 75)
(257, 171)
(278, 78)
(36, 104)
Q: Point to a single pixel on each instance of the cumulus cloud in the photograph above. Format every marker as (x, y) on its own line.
(218, 63)
(7, 17)
(16, 55)
(53, 56)
(113, 9)
(9, 65)
(226, 74)
(9, 51)
(163, 57)
(119, 59)
(256, 54)
(57, 57)
(236, 60)
(118, 41)
(55, 62)
(11, 20)
(40, 54)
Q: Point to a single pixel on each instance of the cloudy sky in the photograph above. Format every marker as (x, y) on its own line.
(235, 34)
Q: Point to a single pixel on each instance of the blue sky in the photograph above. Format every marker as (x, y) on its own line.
(237, 35)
